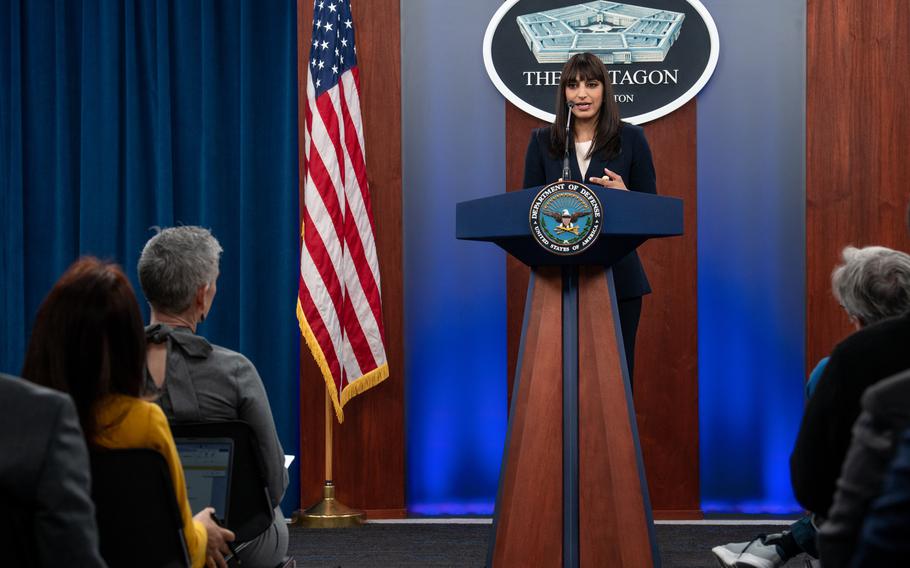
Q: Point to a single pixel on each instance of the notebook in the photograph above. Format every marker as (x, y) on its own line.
(207, 469)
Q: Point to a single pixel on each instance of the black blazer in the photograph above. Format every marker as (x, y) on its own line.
(861, 360)
(633, 163)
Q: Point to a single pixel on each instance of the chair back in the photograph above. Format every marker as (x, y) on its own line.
(139, 522)
(17, 537)
(250, 509)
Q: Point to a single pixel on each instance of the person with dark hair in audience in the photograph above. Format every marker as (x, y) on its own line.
(872, 284)
(87, 341)
(196, 381)
(48, 518)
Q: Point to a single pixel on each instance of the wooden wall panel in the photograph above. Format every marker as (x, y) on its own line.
(519, 125)
(857, 129)
(666, 361)
(666, 384)
(369, 447)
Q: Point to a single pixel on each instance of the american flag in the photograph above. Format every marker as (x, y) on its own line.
(339, 306)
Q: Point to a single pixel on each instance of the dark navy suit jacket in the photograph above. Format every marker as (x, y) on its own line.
(633, 163)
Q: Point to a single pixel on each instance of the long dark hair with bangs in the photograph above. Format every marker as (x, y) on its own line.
(587, 66)
(88, 339)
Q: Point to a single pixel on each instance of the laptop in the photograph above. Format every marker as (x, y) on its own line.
(207, 469)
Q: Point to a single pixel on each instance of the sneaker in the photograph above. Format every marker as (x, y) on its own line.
(761, 553)
(727, 554)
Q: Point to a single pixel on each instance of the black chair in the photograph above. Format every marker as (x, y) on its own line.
(17, 538)
(250, 510)
(139, 522)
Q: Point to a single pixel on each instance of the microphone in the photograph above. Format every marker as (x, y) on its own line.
(566, 170)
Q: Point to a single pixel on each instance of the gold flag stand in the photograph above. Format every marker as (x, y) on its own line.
(329, 513)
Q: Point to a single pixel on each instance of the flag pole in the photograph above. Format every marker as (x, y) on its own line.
(328, 436)
(334, 83)
(329, 513)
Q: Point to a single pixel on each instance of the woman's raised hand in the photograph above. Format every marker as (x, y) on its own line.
(610, 179)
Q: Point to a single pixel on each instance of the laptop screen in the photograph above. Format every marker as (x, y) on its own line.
(207, 469)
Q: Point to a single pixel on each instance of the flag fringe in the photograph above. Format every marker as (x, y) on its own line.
(365, 382)
(319, 356)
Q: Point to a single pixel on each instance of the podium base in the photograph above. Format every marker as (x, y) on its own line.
(329, 513)
(572, 491)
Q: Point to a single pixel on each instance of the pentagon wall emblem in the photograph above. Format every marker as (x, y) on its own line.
(566, 218)
(617, 33)
(659, 53)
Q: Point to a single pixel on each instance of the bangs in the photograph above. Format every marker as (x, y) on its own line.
(584, 68)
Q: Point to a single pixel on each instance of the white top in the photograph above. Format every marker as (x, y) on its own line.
(581, 154)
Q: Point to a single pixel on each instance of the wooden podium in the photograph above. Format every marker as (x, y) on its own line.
(572, 489)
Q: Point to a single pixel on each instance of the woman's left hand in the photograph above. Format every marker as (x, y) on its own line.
(610, 179)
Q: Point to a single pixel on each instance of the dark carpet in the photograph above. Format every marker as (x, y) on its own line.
(412, 545)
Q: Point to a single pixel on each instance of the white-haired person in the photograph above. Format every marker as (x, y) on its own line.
(196, 381)
(872, 284)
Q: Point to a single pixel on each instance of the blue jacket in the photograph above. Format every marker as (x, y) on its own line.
(633, 163)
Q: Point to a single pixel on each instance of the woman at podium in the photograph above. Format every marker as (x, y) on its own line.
(603, 150)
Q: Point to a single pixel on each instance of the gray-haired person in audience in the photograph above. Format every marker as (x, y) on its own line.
(196, 381)
(877, 433)
(872, 284)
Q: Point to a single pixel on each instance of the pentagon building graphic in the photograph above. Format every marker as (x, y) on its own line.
(617, 33)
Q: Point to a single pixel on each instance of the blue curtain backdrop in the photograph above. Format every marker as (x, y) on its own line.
(118, 116)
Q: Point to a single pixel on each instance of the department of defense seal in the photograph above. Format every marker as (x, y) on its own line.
(566, 217)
